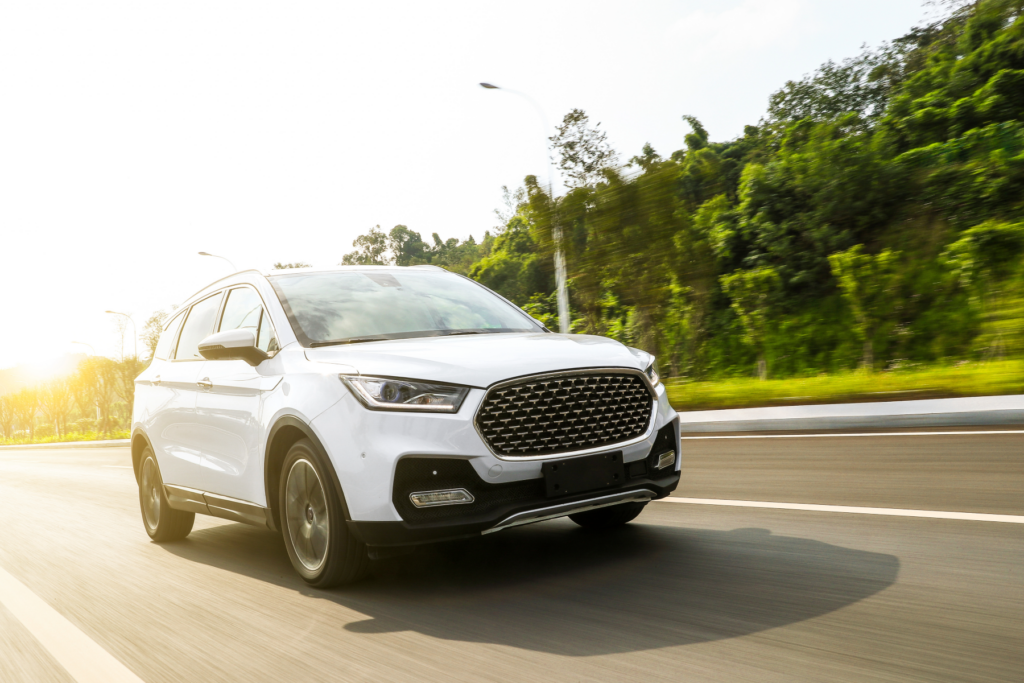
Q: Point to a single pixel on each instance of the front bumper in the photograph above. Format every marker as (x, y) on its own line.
(371, 449)
(502, 505)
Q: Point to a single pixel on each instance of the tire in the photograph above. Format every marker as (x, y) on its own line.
(613, 515)
(322, 549)
(162, 522)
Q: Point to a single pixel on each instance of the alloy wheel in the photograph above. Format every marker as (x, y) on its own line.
(150, 490)
(306, 513)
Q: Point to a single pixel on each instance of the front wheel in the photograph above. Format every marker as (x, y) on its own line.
(319, 544)
(162, 522)
(613, 515)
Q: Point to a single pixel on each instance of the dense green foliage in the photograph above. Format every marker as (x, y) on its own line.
(874, 216)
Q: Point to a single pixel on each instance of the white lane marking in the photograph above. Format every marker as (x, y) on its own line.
(831, 436)
(80, 656)
(893, 512)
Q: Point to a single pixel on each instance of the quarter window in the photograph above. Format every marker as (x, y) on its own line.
(198, 326)
(163, 347)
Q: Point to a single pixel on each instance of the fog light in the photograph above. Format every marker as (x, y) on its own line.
(665, 459)
(427, 499)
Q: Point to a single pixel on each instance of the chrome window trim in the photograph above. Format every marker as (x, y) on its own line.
(651, 420)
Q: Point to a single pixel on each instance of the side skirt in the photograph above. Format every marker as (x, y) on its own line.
(194, 500)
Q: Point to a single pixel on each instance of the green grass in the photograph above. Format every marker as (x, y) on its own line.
(966, 379)
(74, 436)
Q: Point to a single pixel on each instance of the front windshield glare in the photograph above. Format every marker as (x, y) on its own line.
(369, 305)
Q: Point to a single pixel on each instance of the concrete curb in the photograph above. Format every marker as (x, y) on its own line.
(111, 443)
(947, 412)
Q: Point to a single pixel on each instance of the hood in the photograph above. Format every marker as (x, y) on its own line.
(480, 360)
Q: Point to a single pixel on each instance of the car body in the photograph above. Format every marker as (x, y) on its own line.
(219, 424)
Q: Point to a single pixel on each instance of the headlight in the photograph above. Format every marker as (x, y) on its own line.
(653, 373)
(380, 393)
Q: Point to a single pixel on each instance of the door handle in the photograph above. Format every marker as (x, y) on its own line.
(205, 383)
(155, 381)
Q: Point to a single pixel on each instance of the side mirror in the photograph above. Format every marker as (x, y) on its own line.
(233, 345)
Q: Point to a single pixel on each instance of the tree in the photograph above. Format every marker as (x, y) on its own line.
(26, 404)
(753, 292)
(151, 332)
(870, 287)
(124, 374)
(288, 266)
(583, 152)
(647, 159)
(371, 250)
(56, 402)
(514, 202)
(94, 384)
(407, 247)
(983, 257)
(6, 416)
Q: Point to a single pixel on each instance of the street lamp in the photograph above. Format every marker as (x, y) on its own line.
(135, 333)
(233, 269)
(84, 344)
(563, 293)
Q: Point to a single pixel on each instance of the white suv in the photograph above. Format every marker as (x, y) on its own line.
(363, 410)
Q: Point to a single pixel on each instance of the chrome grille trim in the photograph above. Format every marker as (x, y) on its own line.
(501, 454)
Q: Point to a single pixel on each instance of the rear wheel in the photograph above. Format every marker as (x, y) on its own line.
(316, 535)
(162, 522)
(614, 515)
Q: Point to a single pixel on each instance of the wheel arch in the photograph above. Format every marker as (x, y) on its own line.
(286, 431)
(138, 444)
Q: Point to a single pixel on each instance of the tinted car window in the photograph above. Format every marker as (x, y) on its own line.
(198, 326)
(163, 347)
(244, 311)
(328, 307)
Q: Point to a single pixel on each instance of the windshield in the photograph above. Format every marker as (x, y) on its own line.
(370, 305)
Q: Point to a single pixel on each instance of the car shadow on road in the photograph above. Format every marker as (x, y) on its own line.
(555, 588)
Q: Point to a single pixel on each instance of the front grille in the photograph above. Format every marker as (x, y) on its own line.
(564, 413)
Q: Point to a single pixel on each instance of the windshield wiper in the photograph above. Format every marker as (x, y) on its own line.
(489, 330)
(351, 340)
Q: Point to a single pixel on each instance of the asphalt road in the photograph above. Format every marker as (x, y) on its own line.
(686, 593)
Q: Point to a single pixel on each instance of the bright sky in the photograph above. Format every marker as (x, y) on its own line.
(135, 134)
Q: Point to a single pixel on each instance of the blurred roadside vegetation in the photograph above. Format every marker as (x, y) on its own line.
(902, 384)
(863, 241)
(872, 219)
(95, 402)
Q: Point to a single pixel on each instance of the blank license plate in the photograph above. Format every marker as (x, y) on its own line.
(587, 473)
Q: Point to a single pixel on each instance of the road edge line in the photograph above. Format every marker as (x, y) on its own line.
(83, 659)
(891, 512)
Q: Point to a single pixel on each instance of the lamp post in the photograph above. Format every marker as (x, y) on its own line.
(233, 269)
(84, 344)
(560, 276)
(135, 333)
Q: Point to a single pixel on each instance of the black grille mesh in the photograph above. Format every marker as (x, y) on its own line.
(567, 413)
